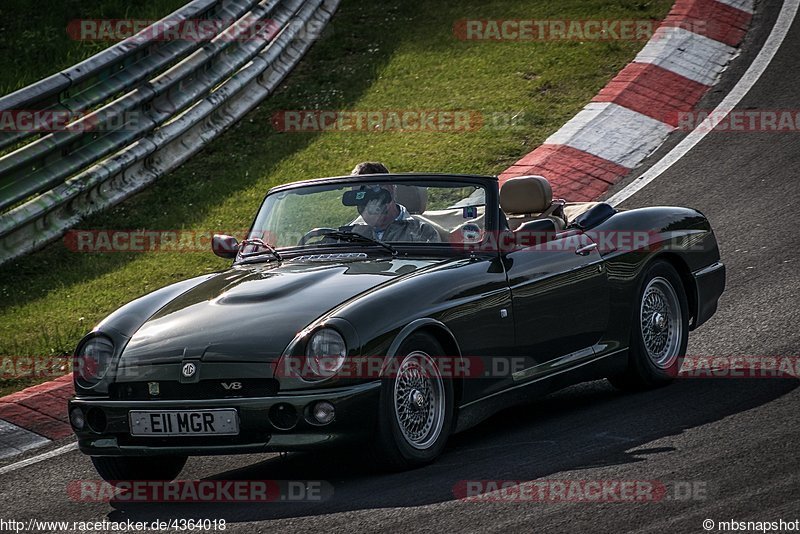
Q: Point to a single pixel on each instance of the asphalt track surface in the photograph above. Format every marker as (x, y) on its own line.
(737, 437)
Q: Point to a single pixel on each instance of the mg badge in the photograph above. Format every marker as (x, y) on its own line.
(189, 370)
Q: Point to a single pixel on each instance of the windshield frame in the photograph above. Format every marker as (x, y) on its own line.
(489, 183)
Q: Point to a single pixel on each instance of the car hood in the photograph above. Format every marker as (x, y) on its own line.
(252, 312)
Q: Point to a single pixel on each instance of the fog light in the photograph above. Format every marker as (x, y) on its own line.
(77, 419)
(283, 416)
(323, 412)
(96, 420)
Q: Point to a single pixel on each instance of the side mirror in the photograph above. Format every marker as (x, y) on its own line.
(225, 246)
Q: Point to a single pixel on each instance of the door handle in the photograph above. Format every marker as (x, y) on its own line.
(586, 249)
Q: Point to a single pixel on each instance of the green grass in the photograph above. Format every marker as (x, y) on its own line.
(375, 57)
(33, 34)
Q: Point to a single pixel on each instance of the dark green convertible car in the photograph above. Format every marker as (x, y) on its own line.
(391, 311)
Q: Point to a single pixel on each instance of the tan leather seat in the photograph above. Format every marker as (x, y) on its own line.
(415, 199)
(527, 198)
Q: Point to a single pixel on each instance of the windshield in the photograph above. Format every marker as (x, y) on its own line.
(362, 213)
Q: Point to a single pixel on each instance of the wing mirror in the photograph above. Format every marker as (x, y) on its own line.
(225, 246)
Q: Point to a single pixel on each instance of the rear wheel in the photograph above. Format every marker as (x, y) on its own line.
(115, 468)
(416, 406)
(660, 331)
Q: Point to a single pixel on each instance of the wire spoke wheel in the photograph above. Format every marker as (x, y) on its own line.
(419, 400)
(661, 322)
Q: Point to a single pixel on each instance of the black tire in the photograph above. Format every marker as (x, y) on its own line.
(644, 370)
(116, 468)
(392, 449)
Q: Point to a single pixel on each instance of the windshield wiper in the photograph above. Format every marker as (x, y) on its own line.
(259, 243)
(353, 237)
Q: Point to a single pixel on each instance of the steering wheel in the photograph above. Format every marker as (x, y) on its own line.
(316, 232)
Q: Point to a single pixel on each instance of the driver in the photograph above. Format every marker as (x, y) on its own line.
(382, 217)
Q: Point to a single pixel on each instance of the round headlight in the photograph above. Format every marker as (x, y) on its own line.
(93, 360)
(325, 353)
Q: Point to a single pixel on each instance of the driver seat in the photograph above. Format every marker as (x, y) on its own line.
(528, 198)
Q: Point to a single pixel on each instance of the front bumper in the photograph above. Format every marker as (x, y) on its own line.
(710, 283)
(356, 411)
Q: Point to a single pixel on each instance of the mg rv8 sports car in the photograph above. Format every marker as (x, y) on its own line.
(389, 312)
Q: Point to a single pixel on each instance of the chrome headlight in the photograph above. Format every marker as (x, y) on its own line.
(325, 353)
(92, 360)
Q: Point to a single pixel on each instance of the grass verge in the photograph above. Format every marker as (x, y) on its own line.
(33, 34)
(375, 56)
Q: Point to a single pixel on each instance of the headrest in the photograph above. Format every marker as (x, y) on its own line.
(415, 199)
(526, 194)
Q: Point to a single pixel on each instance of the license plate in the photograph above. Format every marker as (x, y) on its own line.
(224, 422)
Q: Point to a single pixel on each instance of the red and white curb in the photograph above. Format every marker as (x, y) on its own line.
(636, 111)
(34, 416)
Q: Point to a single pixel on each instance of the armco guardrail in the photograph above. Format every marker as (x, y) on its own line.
(139, 109)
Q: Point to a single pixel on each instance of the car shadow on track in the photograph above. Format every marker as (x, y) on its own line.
(585, 426)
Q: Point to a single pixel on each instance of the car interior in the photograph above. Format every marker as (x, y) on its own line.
(523, 199)
(529, 198)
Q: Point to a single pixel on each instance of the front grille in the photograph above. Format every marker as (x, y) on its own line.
(205, 389)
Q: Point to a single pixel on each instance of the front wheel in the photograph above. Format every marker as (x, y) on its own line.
(660, 331)
(117, 468)
(416, 406)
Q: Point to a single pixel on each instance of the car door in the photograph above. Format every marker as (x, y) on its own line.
(560, 299)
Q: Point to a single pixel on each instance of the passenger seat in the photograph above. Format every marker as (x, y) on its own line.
(415, 200)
